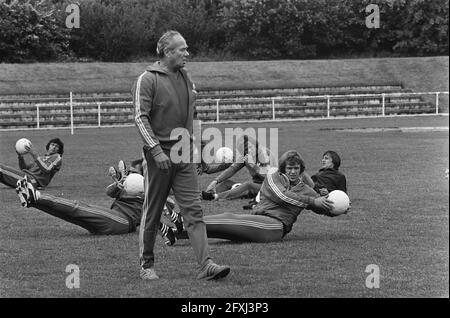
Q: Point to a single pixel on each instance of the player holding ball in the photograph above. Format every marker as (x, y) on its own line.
(40, 171)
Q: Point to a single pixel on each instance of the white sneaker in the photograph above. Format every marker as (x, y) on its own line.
(212, 271)
(148, 274)
(26, 192)
(122, 169)
(112, 172)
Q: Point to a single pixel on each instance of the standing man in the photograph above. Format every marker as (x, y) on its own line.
(163, 98)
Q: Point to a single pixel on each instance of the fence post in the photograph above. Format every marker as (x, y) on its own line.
(383, 104)
(37, 117)
(437, 103)
(217, 110)
(71, 114)
(273, 108)
(99, 110)
(328, 106)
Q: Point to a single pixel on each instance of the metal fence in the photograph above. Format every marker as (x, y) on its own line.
(97, 105)
(329, 98)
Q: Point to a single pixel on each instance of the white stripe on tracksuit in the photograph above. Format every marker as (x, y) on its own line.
(12, 174)
(280, 195)
(138, 115)
(49, 168)
(144, 209)
(254, 224)
(87, 209)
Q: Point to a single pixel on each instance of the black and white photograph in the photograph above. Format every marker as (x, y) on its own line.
(231, 156)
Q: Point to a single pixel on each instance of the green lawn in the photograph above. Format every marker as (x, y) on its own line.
(419, 74)
(399, 221)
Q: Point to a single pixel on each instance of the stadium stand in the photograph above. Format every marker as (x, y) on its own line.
(227, 105)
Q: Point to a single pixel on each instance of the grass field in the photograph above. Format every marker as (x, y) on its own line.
(399, 221)
(419, 74)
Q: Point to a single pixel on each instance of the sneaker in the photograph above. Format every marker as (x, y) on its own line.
(148, 274)
(168, 235)
(26, 192)
(122, 169)
(172, 212)
(112, 172)
(179, 224)
(209, 196)
(212, 271)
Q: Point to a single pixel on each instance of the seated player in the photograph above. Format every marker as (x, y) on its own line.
(256, 159)
(211, 168)
(122, 217)
(329, 178)
(40, 171)
(284, 196)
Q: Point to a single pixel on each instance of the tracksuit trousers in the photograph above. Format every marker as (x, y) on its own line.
(242, 228)
(9, 176)
(249, 189)
(95, 219)
(182, 179)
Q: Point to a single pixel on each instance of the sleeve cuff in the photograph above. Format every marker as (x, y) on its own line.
(156, 150)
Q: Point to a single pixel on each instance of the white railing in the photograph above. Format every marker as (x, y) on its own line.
(271, 102)
(328, 98)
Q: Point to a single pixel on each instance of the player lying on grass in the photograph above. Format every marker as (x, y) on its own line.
(122, 217)
(256, 159)
(40, 171)
(284, 196)
(327, 179)
(211, 168)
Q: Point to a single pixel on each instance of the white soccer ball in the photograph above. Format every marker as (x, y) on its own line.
(341, 201)
(20, 145)
(224, 155)
(134, 184)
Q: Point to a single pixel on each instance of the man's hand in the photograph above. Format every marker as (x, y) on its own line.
(323, 192)
(162, 161)
(323, 203)
(31, 151)
(212, 186)
(119, 185)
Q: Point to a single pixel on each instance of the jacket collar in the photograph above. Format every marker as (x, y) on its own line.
(157, 67)
(328, 169)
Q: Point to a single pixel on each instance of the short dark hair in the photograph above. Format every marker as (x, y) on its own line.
(334, 158)
(137, 162)
(291, 157)
(58, 142)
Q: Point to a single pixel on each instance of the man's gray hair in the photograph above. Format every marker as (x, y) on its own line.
(164, 42)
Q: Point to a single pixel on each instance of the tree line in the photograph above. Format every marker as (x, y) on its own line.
(128, 30)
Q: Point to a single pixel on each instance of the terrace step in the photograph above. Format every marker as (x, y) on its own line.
(248, 104)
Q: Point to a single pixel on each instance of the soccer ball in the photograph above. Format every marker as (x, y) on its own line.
(20, 145)
(341, 201)
(134, 184)
(224, 155)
